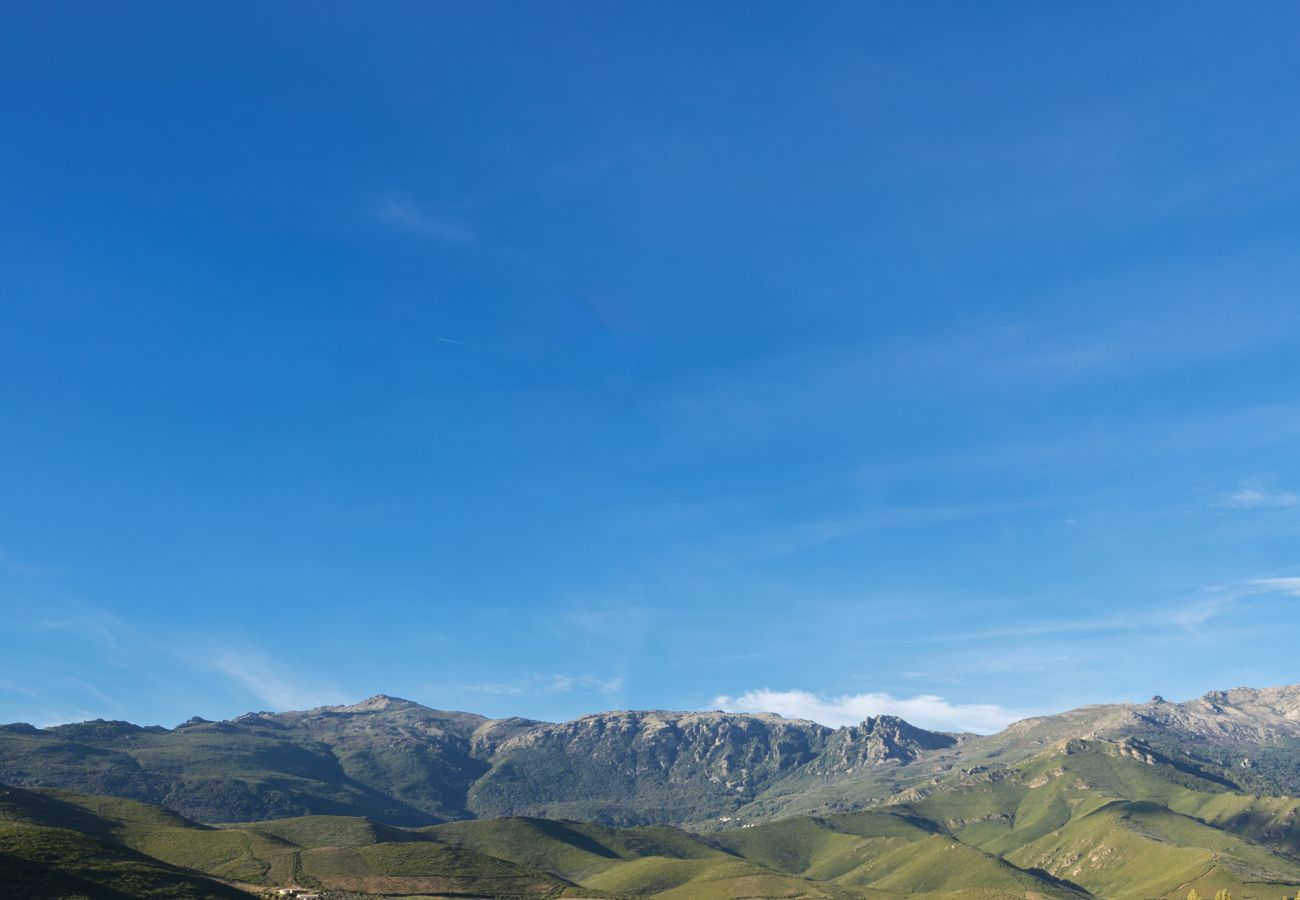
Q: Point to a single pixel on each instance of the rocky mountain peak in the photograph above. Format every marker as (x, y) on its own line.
(377, 703)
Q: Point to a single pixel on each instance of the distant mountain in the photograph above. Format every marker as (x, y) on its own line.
(404, 763)
(1245, 739)
(670, 767)
(398, 762)
(1250, 737)
(394, 760)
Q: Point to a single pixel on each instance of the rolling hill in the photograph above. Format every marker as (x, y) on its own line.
(387, 797)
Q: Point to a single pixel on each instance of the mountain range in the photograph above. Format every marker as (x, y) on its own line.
(390, 797)
(406, 764)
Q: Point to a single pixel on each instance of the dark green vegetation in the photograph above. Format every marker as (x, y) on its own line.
(1152, 800)
(55, 847)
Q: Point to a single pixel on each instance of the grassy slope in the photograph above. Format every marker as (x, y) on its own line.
(573, 850)
(802, 846)
(327, 831)
(882, 850)
(100, 844)
(820, 857)
(1144, 850)
(39, 861)
(56, 843)
(705, 878)
(423, 867)
(1118, 826)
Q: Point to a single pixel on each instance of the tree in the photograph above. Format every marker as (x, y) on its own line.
(1193, 894)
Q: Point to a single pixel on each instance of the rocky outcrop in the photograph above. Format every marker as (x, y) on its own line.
(879, 740)
(633, 767)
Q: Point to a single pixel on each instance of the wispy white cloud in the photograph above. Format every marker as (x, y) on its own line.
(606, 620)
(1189, 614)
(1219, 598)
(89, 622)
(1278, 585)
(1022, 648)
(21, 690)
(16, 566)
(550, 684)
(801, 536)
(405, 215)
(1258, 493)
(96, 692)
(47, 711)
(924, 710)
(272, 683)
(565, 683)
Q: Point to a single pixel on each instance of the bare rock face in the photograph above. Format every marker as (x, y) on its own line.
(639, 767)
(377, 703)
(1241, 715)
(488, 737)
(1247, 738)
(877, 741)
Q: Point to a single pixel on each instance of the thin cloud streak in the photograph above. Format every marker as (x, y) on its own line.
(1256, 493)
(256, 673)
(10, 563)
(1278, 585)
(1187, 616)
(404, 215)
(808, 535)
(541, 685)
(92, 624)
(96, 692)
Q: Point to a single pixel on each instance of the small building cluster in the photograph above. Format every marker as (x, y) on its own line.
(297, 894)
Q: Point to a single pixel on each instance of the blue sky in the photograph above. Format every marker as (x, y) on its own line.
(936, 359)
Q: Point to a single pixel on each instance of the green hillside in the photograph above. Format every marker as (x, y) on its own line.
(572, 850)
(1115, 821)
(1077, 820)
(53, 846)
(42, 862)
